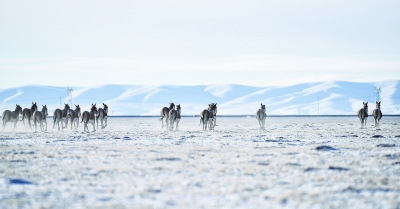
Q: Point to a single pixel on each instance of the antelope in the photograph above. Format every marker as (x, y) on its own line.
(174, 117)
(74, 116)
(28, 113)
(207, 117)
(363, 115)
(89, 117)
(11, 116)
(102, 114)
(260, 116)
(61, 116)
(40, 117)
(164, 113)
(377, 114)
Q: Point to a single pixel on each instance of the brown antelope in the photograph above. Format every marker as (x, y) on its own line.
(28, 113)
(207, 117)
(74, 116)
(174, 117)
(61, 116)
(260, 116)
(363, 115)
(40, 117)
(11, 116)
(89, 117)
(102, 114)
(377, 114)
(164, 113)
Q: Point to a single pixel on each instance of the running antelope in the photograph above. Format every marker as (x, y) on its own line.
(74, 116)
(11, 116)
(213, 117)
(61, 116)
(40, 117)
(363, 115)
(28, 113)
(174, 117)
(164, 113)
(260, 116)
(214, 114)
(377, 114)
(89, 117)
(103, 116)
(207, 117)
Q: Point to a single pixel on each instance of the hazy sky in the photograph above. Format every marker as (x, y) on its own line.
(262, 43)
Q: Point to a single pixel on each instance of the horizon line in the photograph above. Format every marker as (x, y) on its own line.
(227, 116)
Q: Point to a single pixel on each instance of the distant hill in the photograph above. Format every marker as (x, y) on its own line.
(325, 98)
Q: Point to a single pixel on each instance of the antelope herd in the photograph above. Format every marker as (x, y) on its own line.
(169, 115)
(363, 114)
(59, 116)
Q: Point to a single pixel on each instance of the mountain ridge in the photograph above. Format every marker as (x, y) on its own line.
(317, 98)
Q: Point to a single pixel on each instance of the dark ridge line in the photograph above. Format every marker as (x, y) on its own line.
(238, 116)
(227, 116)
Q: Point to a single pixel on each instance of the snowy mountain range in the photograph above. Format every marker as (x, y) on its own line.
(324, 98)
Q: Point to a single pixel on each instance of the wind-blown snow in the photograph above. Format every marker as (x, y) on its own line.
(246, 97)
(356, 104)
(78, 92)
(388, 91)
(323, 87)
(134, 91)
(13, 96)
(218, 90)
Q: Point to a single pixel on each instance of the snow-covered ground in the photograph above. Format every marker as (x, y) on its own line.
(297, 162)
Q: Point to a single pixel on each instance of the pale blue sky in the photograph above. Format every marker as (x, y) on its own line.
(262, 43)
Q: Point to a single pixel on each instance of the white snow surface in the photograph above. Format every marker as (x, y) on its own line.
(133, 163)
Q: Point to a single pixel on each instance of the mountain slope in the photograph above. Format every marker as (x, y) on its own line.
(325, 98)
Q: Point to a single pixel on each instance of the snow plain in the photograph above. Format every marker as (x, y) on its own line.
(297, 162)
